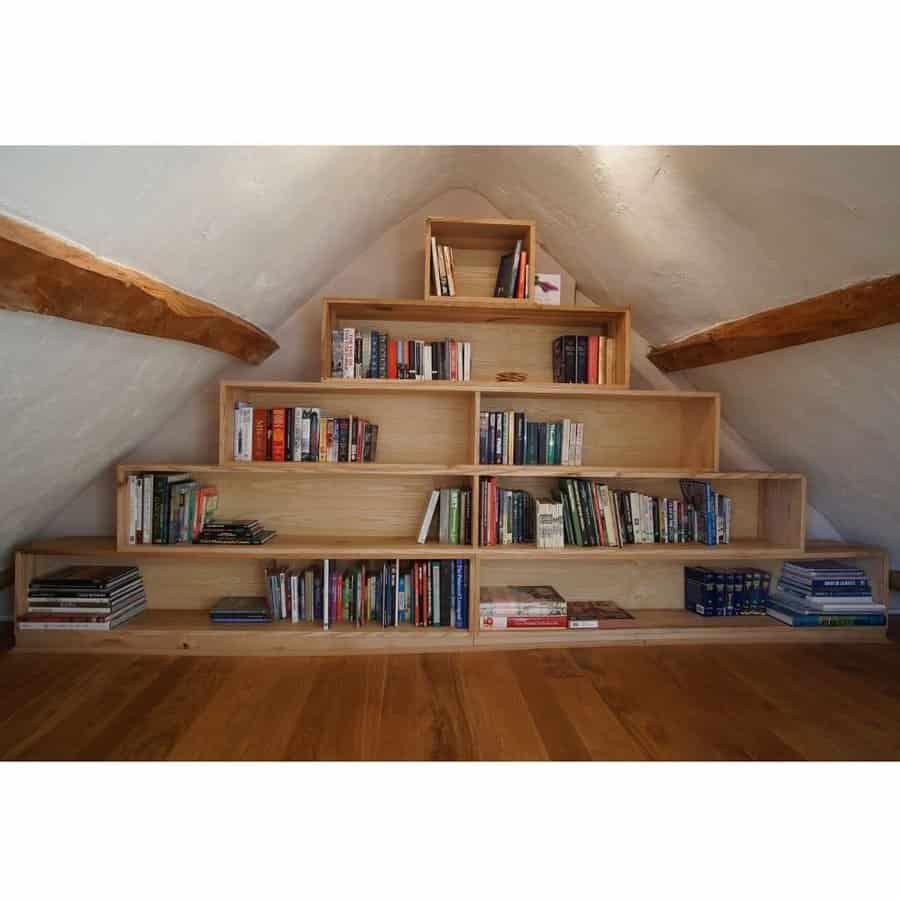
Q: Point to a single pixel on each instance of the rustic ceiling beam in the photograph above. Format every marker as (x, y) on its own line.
(42, 274)
(860, 307)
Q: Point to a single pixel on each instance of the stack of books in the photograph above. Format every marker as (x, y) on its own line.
(234, 531)
(85, 598)
(522, 607)
(580, 359)
(506, 517)
(508, 438)
(301, 434)
(726, 592)
(452, 506)
(443, 269)
(240, 611)
(824, 592)
(514, 274)
(374, 354)
(168, 507)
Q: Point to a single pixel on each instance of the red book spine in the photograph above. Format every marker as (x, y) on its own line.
(524, 621)
(391, 358)
(598, 513)
(360, 437)
(520, 280)
(259, 435)
(279, 418)
(593, 351)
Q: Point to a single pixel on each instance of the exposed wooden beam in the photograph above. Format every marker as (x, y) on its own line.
(42, 274)
(860, 307)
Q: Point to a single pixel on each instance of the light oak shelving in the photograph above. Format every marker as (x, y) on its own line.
(428, 438)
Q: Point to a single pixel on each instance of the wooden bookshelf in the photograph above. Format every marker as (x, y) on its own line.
(429, 438)
(506, 335)
(477, 246)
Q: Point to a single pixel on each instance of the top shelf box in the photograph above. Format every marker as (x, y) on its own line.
(478, 245)
(506, 335)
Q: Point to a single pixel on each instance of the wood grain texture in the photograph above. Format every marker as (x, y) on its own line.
(859, 307)
(823, 702)
(42, 274)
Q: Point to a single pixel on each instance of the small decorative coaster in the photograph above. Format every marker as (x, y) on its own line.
(511, 376)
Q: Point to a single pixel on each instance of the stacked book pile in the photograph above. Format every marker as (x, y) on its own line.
(580, 359)
(374, 354)
(301, 434)
(234, 531)
(726, 592)
(240, 611)
(453, 507)
(522, 607)
(168, 507)
(508, 438)
(824, 592)
(84, 598)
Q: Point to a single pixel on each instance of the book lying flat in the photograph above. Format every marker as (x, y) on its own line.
(597, 614)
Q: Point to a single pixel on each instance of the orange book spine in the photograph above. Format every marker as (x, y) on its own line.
(520, 279)
(278, 425)
(593, 359)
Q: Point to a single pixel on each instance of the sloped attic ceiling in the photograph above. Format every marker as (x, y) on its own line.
(687, 236)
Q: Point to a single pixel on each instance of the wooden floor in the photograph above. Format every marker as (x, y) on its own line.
(675, 702)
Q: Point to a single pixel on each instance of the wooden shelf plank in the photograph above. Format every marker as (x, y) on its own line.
(737, 550)
(303, 468)
(280, 547)
(676, 626)
(624, 472)
(191, 632)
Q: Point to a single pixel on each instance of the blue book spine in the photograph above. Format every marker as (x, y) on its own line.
(798, 590)
(809, 620)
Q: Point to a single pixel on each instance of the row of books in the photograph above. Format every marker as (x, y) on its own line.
(84, 598)
(301, 434)
(453, 508)
(426, 593)
(508, 438)
(506, 516)
(443, 269)
(374, 354)
(168, 507)
(542, 606)
(580, 359)
(595, 515)
(824, 592)
(514, 274)
(726, 592)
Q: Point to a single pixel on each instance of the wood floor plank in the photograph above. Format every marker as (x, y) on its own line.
(738, 702)
(502, 726)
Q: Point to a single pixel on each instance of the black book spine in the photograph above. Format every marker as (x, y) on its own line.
(269, 434)
(569, 348)
(542, 443)
(446, 594)
(382, 355)
(581, 359)
(498, 438)
(558, 369)
(159, 490)
(514, 270)
(289, 434)
(519, 449)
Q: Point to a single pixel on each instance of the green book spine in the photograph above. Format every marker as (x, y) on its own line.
(574, 512)
(454, 515)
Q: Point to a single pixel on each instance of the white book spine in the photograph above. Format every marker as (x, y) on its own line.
(132, 509)
(435, 268)
(349, 348)
(147, 525)
(579, 442)
(428, 517)
(248, 434)
(566, 443)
